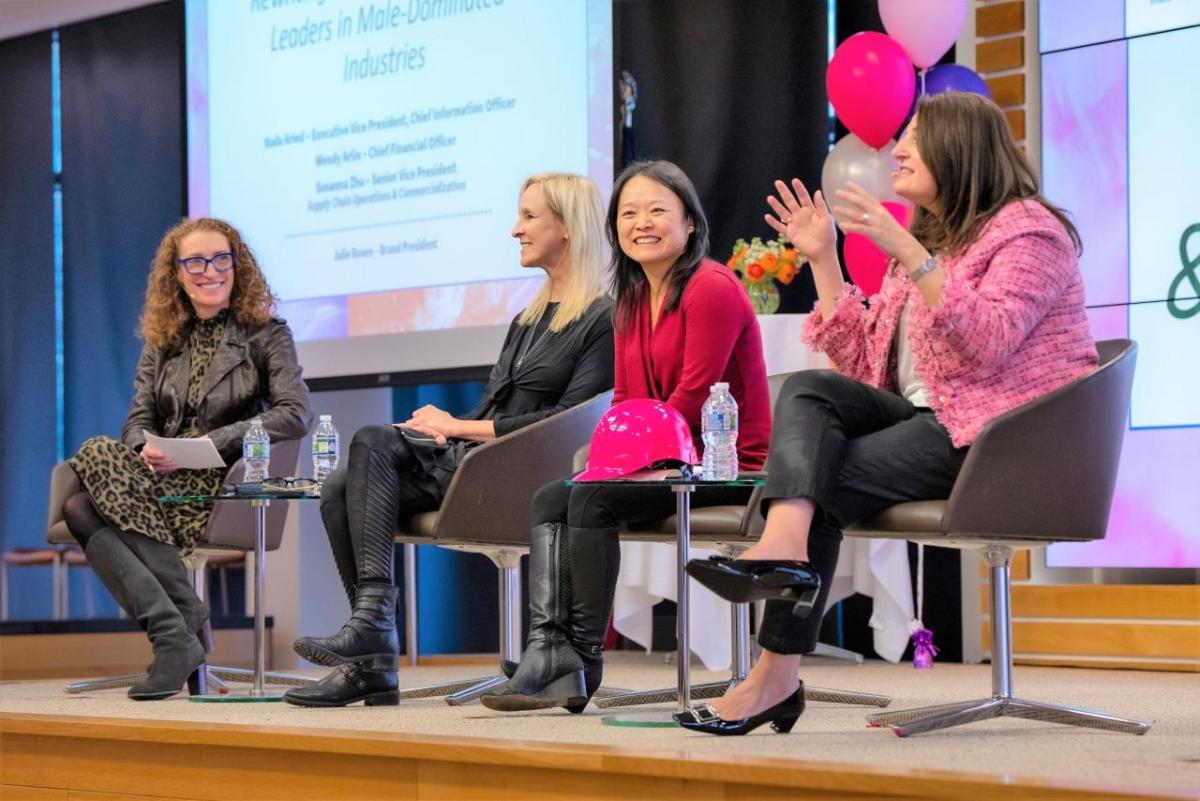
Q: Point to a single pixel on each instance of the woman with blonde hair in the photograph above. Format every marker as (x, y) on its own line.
(558, 353)
(214, 357)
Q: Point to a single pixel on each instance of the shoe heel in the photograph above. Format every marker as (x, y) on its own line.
(804, 606)
(194, 683)
(383, 699)
(784, 725)
(571, 688)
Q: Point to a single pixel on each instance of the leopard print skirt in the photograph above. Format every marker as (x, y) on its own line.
(126, 492)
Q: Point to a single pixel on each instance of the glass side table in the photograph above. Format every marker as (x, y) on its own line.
(259, 501)
(683, 487)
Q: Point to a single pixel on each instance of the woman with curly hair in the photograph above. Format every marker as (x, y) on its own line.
(214, 358)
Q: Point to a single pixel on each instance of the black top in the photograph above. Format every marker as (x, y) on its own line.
(541, 372)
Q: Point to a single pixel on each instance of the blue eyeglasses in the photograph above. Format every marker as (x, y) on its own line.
(198, 265)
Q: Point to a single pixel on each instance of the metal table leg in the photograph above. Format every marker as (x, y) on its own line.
(258, 690)
(683, 689)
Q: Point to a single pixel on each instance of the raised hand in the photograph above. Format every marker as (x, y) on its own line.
(858, 212)
(805, 221)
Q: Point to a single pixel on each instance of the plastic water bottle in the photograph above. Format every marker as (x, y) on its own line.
(719, 430)
(324, 448)
(256, 451)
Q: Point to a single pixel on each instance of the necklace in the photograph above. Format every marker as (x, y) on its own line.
(530, 344)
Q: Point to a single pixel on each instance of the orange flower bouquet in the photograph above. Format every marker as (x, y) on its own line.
(761, 265)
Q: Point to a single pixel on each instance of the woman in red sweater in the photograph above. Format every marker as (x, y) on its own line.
(683, 323)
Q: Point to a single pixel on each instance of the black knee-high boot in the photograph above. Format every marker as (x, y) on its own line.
(177, 652)
(595, 564)
(550, 672)
(367, 648)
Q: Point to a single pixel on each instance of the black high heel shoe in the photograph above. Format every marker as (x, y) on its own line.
(782, 717)
(748, 580)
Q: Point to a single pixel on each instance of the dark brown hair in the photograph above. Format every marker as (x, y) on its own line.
(966, 144)
(629, 281)
(168, 308)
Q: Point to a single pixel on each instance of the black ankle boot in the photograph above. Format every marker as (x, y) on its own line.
(550, 672)
(368, 637)
(349, 684)
(595, 556)
(177, 651)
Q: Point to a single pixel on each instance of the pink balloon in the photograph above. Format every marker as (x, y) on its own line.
(866, 263)
(870, 83)
(926, 28)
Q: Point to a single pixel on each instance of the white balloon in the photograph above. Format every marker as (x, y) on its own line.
(852, 159)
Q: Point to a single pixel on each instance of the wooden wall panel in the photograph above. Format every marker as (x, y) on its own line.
(1000, 54)
(1075, 638)
(1128, 601)
(1001, 18)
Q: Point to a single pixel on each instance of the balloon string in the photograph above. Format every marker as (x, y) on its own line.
(923, 82)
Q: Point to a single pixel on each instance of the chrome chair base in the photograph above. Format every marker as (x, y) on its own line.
(216, 676)
(942, 716)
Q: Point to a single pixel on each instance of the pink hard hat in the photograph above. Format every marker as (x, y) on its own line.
(635, 434)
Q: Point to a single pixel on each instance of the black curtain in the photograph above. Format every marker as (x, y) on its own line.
(731, 92)
(27, 382)
(123, 187)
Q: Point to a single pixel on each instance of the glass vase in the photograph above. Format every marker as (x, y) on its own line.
(764, 296)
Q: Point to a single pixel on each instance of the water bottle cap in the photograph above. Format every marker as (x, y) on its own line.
(325, 418)
(720, 385)
(256, 421)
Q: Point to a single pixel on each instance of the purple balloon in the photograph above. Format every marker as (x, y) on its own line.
(953, 78)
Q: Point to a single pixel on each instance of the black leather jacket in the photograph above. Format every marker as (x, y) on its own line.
(254, 373)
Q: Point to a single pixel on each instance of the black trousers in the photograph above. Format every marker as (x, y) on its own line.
(363, 500)
(853, 450)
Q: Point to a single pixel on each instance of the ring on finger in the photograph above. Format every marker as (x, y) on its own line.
(866, 218)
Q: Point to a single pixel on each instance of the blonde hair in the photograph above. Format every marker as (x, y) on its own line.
(168, 309)
(575, 202)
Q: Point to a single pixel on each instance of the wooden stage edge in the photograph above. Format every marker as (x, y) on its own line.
(59, 757)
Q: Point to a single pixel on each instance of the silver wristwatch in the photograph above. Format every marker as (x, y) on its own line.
(923, 268)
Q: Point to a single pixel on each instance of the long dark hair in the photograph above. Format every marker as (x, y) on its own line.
(965, 142)
(629, 281)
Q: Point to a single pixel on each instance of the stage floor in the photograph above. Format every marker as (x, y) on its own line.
(1165, 761)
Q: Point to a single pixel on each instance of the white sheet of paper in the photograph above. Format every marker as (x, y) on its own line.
(188, 454)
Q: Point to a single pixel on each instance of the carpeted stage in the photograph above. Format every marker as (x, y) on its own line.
(103, 746)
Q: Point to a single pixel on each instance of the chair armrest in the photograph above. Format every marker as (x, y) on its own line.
(490, 494)
(752, 518)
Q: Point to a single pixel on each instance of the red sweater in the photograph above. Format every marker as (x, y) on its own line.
(713, 336)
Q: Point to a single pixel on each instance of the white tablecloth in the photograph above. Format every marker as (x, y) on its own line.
(877, 568)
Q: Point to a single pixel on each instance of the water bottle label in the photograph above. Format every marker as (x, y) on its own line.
(256, 450)
(721, 421)
(323, 448)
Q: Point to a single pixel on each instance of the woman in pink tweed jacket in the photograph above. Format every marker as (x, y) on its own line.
(981, 311)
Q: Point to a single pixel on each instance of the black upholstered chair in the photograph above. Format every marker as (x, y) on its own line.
(1042, 473)
(487, 510)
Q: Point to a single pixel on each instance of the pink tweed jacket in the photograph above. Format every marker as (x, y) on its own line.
(1010, 324)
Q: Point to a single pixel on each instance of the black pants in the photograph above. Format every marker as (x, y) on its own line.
(363, 501)
(854, 451)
